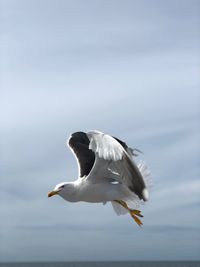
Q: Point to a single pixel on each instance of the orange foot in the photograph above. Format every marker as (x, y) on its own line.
(134, 213)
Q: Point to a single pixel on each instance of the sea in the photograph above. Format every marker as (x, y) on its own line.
(105, 264)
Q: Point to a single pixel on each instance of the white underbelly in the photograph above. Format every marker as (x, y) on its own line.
(101, 192)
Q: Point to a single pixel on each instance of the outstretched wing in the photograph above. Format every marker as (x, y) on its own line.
(110, 154)
(79, 143)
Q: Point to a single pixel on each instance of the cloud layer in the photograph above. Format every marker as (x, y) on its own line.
(127, 68)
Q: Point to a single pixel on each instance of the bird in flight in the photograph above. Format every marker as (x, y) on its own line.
(107, 173)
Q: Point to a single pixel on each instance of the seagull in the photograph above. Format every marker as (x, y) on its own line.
(107, 173)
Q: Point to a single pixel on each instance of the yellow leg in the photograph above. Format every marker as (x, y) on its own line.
(134, 213)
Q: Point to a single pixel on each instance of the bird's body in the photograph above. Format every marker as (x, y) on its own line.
(83, 190)
(107, 173)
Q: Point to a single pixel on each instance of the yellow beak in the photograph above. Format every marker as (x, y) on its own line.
(52, 193)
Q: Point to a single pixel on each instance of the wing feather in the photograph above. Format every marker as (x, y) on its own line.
(110, 155)
(105, 146)
(129, 150)
(79, 143)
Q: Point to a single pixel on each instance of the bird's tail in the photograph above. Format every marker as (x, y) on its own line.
(119, 209)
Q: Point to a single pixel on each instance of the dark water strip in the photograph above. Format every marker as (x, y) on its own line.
(105, 264)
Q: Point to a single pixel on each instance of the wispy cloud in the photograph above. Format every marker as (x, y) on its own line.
(126, 68)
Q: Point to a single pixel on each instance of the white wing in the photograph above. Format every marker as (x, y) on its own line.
(105, 146)
(113, 162)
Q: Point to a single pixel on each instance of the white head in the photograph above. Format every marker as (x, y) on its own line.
(65, 190)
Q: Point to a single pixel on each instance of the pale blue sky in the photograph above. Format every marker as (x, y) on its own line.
(129, 68)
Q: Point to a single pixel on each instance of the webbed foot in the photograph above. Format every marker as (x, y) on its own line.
(134, 213)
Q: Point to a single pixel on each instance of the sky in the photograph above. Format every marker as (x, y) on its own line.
(127, 68)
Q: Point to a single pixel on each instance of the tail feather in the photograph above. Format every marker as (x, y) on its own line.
(118, 208)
